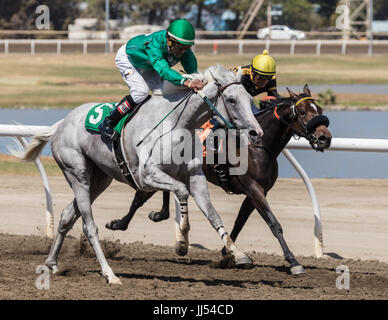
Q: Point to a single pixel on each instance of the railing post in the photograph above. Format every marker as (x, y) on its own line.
(343, 48)
(32, 47)
(318, 50)
(6, 46)
(318, 233)
(85, 46)
(49, 200)
(215, 47)
(240, 47)
(59, 46)
(292, 47)
(110, 46)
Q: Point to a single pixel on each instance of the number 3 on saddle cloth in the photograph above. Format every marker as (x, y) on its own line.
(220, 169)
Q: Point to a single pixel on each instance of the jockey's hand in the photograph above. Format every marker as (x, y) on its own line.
(194, 84)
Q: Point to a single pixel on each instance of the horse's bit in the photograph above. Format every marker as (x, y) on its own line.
(309, 127)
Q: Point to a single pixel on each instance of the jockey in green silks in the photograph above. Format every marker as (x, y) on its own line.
(146, 60)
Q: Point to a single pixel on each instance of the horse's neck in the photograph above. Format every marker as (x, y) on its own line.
(276, 133)
(196, 112)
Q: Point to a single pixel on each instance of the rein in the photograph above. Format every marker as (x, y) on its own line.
(308, 128)
(311, 125)
(208, 102)
(214, 108)
(186, 97)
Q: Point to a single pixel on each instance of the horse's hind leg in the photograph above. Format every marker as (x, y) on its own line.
(140, 198)
(87, 184)
(70, 215)
(245, 211)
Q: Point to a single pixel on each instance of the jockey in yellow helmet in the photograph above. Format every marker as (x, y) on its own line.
(260, 76)
(257, 77)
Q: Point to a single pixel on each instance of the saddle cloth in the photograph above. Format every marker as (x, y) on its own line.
(98, 113)
(204, 133)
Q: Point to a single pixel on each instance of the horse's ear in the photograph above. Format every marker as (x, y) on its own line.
(292, 95)
(306, 90)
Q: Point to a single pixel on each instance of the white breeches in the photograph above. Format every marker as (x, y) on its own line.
(139, 81)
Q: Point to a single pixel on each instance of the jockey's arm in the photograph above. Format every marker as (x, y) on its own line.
(159, 63)
(189, 62)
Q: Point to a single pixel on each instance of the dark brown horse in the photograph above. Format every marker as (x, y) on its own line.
(297, 115)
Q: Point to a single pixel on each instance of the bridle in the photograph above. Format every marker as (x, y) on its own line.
(220, 93)
(308, 128)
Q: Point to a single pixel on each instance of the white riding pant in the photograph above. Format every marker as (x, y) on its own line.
(139, 81)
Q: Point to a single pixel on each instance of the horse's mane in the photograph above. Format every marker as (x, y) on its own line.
(214, 73)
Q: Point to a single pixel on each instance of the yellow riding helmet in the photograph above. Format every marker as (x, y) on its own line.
(264, 64)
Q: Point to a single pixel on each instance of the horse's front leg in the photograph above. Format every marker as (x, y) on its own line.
(256, 195)
(245, 211)
(162, 181)
(182, 227)
(164, 213)
(199, 191)
(140, 198)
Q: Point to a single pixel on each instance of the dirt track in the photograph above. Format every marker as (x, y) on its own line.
(355, 226)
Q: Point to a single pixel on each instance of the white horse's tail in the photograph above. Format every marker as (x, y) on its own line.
(37, 144)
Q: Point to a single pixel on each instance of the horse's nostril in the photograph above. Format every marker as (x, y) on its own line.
(253, 133)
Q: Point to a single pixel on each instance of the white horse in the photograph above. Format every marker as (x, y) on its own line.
(87, 163)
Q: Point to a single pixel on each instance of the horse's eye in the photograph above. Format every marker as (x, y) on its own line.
(302, 112)
(231, 101)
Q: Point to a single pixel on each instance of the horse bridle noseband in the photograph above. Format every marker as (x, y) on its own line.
(309, 127)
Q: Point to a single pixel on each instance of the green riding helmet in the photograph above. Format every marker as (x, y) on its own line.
(182, 31)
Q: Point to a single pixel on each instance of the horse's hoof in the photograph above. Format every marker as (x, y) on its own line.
(52, 267)
(158, 216)
(181, 248)
(114, 280)
(243, 262)
(297, 270)
(116, 225)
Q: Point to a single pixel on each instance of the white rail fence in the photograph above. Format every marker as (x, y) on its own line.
(213, 46)
(20, 132)
(337, 144)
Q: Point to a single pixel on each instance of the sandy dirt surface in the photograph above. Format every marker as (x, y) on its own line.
(355, 228)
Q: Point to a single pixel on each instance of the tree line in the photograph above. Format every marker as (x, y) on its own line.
(299, 14)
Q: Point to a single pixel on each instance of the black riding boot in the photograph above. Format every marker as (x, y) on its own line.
(215, 146)
(123, 107)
